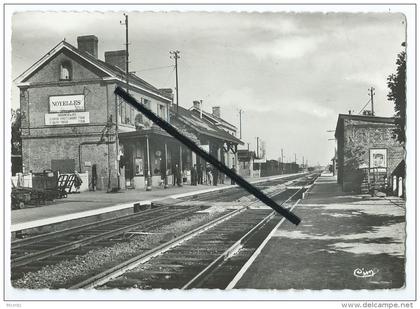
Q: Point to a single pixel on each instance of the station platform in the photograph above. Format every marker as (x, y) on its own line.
(86, 204)
(344, 241)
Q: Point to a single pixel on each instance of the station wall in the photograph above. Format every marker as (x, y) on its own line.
(359, 138)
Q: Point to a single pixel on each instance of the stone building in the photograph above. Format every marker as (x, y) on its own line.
(367, 154)
(74, 121)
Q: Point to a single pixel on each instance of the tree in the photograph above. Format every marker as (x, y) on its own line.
(17, 117)
(397, 94)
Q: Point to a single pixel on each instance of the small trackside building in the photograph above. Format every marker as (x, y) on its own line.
(367, 154)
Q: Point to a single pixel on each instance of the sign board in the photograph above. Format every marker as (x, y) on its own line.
(66, 118)
(378, 159)
(244, 155)
(67, 103)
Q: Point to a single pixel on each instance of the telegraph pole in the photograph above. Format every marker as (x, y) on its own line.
(295, 158)
(126, 51)
(240, 123)
(175, 55)
(117, 142)
(282, 162)
(257, 148)
(371, 99)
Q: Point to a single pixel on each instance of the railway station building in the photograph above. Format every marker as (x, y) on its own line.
(230, 149)
(73, 121)
(367, 154)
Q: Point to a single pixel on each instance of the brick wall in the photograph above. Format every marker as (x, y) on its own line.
(81, 69)
(39, 152)
(41, 144)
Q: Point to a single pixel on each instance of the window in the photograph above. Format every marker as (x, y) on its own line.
(65, 70)
(120, 110)
(146, 103)
(161, 111)
(138, 120)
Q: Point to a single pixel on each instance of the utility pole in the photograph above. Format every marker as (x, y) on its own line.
(295, 158)
(126, 51)
(257, 148)
(371, 93)
(117, 142)
(282, 162)
(175, 55)
(240, 123)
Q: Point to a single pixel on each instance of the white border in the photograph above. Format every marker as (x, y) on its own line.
(405, 294)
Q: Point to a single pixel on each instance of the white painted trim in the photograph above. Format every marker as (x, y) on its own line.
(78, 215)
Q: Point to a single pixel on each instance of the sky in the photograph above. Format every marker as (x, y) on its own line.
(290, 73)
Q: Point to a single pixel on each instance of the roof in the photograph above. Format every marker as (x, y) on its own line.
(189, 119)
(365, 118)
(215, 118)
(110, 70)
(399, 171)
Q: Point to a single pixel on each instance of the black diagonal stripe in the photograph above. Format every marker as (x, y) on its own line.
(207, 157)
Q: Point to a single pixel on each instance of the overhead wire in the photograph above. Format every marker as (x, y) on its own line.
(155, 68)
(364, 106)
(169, 76)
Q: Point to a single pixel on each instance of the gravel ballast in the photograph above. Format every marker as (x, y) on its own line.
(75, 269)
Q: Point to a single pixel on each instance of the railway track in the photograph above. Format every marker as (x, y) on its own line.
(233, 194)
(32, 254)
(207, 257)
(28, 249)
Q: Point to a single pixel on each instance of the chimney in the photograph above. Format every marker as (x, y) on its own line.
(116, 58)
(167, 92)
(88, 44)
(216, 111)
(196, 104)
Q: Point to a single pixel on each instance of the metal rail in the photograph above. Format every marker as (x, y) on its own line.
(26, 259)
(120, 269)
(20, 243)
(205, 273)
